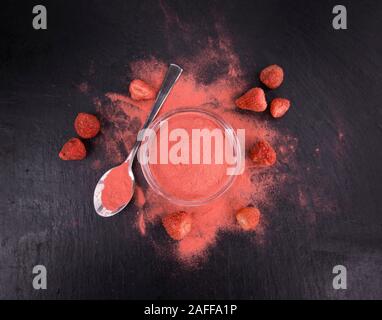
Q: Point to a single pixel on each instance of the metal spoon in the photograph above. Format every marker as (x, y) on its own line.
(172, 75)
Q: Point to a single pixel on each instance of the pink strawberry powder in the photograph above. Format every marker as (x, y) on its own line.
(193, 181)
(254, 187)
(118, 188)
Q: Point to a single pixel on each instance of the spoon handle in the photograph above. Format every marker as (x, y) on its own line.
(172, 75)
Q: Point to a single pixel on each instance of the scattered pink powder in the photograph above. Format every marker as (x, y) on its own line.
(139, 197)
(217, 96)
(96, 164)
(141, 222)
(123, 118)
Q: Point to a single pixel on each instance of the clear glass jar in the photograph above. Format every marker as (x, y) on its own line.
(220, 124)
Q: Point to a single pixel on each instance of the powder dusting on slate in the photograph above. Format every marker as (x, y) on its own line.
(122, 119)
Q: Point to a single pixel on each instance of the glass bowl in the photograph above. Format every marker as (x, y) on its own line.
(220, 124)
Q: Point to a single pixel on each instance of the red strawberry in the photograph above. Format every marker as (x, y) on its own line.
(73, 149)
(253, 100)
(140, 90)
(279, 107)
(248, 218)
(177, 224)
(87, 125)
(262, 154)
(272, 76)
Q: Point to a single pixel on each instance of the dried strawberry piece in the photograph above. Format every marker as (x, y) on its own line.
(253, 100)
(262, 154)
(272, 76)
(177, 224)
(140, 90)
(73, 149)
(87, 125)
(248, 218)
(279, 106)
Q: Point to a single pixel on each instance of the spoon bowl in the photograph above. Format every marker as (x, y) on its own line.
(97, 198)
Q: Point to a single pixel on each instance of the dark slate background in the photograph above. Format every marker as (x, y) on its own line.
(46, 213)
